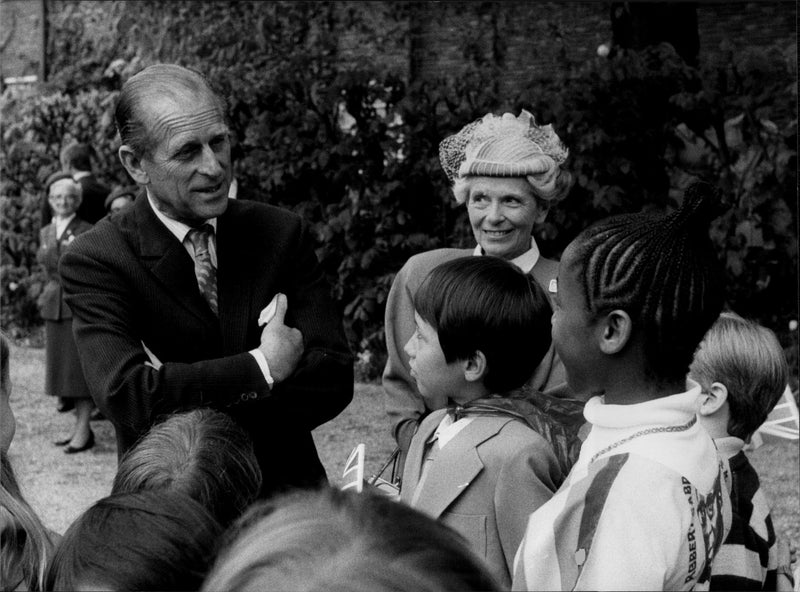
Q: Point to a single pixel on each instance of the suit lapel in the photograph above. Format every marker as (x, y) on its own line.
(70, 229)
(456, 466)
(52, 239)
(416, 452)
(168, 261)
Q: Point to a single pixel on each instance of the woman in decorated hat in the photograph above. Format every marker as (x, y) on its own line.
(508, 171)
(63, 374)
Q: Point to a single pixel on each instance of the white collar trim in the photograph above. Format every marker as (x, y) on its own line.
(525, 262)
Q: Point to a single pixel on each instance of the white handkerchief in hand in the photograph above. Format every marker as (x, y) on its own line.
(154, 361)
(268, 311)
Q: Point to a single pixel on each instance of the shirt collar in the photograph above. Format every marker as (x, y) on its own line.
(179, 229)
(525, 262)
(61, 224)
(447, 429)
(673, 409)
(729, 446)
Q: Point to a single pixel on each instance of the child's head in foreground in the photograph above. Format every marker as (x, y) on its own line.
(483, 326)
(742, 371)
(136, 541)
(333, 540)
(636, 294)
(202, 453)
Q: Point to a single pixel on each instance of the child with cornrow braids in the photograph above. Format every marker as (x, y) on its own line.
(646, 506)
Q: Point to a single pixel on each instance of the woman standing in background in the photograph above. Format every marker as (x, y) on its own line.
(63, 376)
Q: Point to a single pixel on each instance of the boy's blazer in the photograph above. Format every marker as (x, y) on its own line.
(484, 483)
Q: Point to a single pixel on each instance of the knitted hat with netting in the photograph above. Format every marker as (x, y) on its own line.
(508, 146)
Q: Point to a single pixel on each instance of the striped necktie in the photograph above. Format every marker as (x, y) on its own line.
(203, 268)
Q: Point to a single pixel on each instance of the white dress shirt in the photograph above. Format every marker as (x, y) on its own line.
(61, 225)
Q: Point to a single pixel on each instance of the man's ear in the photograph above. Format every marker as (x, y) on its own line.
(475, 367)
(133, 164)
(615, 331)
(713, 399)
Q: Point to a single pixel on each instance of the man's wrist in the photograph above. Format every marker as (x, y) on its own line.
(261, 360)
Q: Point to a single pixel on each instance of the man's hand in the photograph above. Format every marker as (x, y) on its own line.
(282, 346)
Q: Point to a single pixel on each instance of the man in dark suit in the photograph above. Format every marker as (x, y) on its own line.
(76, 160)
(167, 294)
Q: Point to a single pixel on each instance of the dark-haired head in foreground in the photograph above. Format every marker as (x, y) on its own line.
(328, 539)
(136, 541)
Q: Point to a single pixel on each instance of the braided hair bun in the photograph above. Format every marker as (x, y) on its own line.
(662, 271)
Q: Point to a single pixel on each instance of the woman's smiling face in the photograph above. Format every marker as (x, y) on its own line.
(64, 197)
(502, 212)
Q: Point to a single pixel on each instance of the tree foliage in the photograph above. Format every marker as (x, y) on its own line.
(352, 145)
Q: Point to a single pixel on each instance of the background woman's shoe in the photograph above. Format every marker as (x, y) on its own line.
(89, 444)
(63, 442)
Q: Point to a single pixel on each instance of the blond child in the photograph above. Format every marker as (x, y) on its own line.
(742, 372)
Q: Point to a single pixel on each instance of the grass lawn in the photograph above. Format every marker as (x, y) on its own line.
(60, 487)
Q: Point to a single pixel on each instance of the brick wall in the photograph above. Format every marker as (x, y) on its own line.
(532, 33)
(436, 39)
(749, 23)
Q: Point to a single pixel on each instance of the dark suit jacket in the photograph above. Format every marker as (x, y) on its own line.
(129, 280)
(51, 301)
(93, 200)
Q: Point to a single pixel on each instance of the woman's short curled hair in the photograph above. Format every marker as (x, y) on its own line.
(158, 80)
(327, 539)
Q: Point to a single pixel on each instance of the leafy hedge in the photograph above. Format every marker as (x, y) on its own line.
(354, 148)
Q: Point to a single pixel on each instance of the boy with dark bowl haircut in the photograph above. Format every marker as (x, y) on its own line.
(479, 465)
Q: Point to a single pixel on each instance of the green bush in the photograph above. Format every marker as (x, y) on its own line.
(36, 127)
(642, 125)
(354, 149)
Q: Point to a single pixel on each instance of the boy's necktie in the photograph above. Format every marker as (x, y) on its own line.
(203, 268)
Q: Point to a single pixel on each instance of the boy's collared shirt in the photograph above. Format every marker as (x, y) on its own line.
(448, 428)
(445, 432)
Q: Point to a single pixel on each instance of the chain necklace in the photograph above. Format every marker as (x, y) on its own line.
(678, 428)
